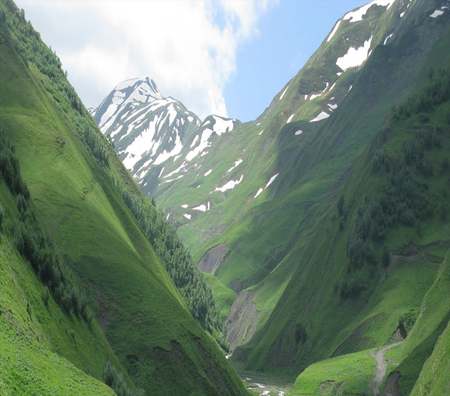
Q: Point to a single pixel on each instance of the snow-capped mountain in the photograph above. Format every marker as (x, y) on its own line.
(150, 131)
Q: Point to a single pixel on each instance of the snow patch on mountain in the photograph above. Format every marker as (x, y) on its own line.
(299, 132)
(237, 163)
(194, 141)
(271, 180)
(171, 180)
(336, 27)
(204, 143)
(223, 125)
(208, 173)
(281, 97)
(320, 117)
(387, 38)
(437, 13)
(175, 171)
(290, 118)
(230, 185)
(357, 15)
(355, 56)
(200, 208)
(259, 192)
(165, 155)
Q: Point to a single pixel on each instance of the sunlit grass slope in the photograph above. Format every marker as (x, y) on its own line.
(42, 348)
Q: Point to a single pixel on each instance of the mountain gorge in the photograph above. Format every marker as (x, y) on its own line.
(273, 210)
(315, 239)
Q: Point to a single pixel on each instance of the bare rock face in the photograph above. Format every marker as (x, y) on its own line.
(242, 319)
(213, 259)
(391, 388)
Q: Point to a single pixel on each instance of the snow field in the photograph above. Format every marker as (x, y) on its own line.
(323, 115)
(230, 185)
(281, 97)
(237, 163)
(336, 27)
(357, 15)
(355, 56)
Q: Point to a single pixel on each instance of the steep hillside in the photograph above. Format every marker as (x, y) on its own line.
(70, 169)
(376, 268)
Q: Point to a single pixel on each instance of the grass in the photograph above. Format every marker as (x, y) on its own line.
(424, 337)
(42, 349)
(433, 379)
(223, 295)
(348, 374)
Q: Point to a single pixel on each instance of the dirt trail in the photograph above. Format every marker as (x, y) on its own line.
(381, 368)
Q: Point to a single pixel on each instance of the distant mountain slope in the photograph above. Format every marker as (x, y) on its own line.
(70, 170)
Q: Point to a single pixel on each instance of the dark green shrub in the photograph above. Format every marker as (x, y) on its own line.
(116, 381)
(351, 289)
(2, 216)
(385, 257)
(444, 212)
(300, 333)
(444, 164)
(423, 118)
(340, 205)
(46, 296)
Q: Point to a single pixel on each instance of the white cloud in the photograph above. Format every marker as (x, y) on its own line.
(188, 47)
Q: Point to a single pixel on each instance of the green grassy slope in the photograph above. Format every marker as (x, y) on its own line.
(348, 374)
(433, 379)
(425, 337)
(349, 295)
(43, 349)
(143, 316)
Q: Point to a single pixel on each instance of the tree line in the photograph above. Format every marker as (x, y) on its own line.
(178, 262)
(33, 242)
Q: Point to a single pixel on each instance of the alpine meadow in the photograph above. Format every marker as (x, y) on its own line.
(147, 251)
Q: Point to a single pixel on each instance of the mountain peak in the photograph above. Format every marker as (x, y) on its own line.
(145, 86)
(134, 90)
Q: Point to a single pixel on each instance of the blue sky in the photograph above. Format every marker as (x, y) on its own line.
(289, 34)
(225, 57)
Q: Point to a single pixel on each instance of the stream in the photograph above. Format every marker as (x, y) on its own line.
(265, 389)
